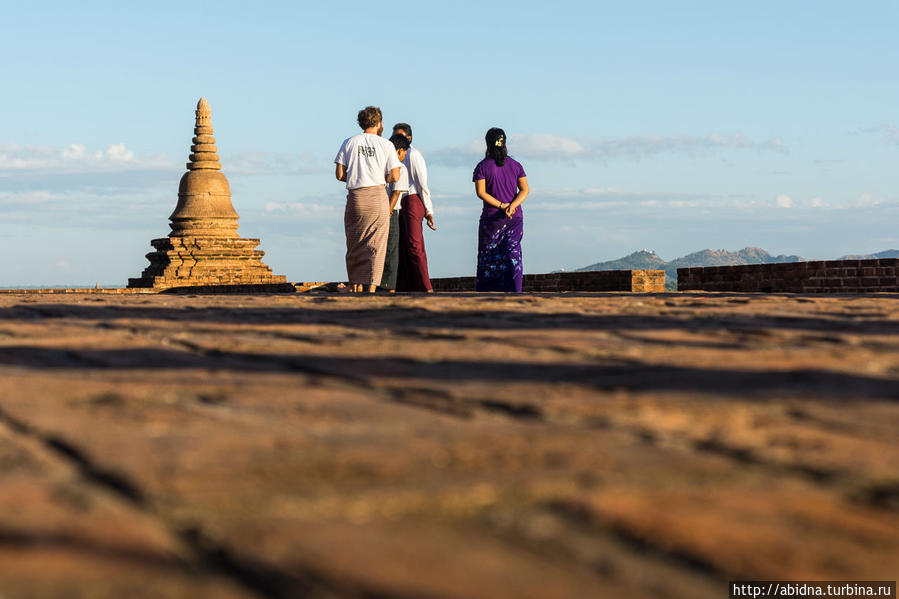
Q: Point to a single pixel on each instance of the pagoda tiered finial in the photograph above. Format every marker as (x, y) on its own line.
(203, 113)
(203, 151)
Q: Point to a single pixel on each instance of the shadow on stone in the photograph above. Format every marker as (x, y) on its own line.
(633, 375)
(411, 318)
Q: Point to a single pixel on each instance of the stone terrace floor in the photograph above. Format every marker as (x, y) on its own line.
(460, 445)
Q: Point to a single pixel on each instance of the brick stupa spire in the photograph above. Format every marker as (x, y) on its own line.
(203, 248)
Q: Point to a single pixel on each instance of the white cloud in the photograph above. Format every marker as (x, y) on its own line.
(119, 153)
(866, 200)
(26, 199)
(682, 204)
(548, 146)
(74, 158)
(303, 209)
(890, 132)
(74, 152)
(652, 202)
(93, 210)
(599, 199)
(776, 144)
(277, 163)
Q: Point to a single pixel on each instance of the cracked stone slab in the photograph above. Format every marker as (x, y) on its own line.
(408, 446)
(60, 535)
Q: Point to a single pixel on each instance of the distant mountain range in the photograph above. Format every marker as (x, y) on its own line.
(883, 254)
(649, 260)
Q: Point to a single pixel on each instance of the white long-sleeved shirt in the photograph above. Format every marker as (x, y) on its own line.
(418, 178)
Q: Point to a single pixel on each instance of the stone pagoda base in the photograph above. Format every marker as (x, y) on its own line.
(207, 262)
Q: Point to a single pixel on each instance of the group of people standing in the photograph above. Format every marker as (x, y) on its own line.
(388, 199)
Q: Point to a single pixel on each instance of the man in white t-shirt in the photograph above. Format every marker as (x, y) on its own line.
(366, 162)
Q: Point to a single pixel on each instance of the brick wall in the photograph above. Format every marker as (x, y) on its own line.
(92, 290)
(194, 289)
(829, 276)
(637, 281)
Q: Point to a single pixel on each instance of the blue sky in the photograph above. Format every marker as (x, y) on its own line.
(661, 125)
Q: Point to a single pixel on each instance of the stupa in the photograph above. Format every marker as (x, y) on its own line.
(203, 248)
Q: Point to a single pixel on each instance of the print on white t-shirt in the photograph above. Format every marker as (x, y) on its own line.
(367, 158)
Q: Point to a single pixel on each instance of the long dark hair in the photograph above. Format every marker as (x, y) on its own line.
(496, 145)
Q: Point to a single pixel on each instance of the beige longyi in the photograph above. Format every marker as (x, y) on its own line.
(366, 221)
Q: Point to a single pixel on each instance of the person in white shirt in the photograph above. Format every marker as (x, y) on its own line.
(366, 162)
(396, 191)
(416, 206)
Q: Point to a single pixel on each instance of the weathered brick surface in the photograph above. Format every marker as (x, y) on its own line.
(206, 262)
(830, 276)
(453, 446)
(638, 281)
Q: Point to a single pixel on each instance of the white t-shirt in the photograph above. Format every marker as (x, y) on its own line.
(402, 185)
(367, 158)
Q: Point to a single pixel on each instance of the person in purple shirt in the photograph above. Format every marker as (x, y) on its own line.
(502, 185)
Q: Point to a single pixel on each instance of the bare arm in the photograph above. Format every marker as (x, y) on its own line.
(393, 175)
(480, 188)
(340, 172)
(523, 191)
(394, 198)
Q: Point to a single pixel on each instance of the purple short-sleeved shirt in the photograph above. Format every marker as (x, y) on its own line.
(501, 182)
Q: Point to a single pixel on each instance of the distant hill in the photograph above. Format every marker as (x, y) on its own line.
(748, 255)
(883, 254)
(642, 260)
(647, 259)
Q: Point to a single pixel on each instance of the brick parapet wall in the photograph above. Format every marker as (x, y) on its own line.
(91, 290)
(300, 287)
(822, 276)
(636, 281)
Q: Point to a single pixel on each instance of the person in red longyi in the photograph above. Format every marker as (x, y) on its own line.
(416, 206)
